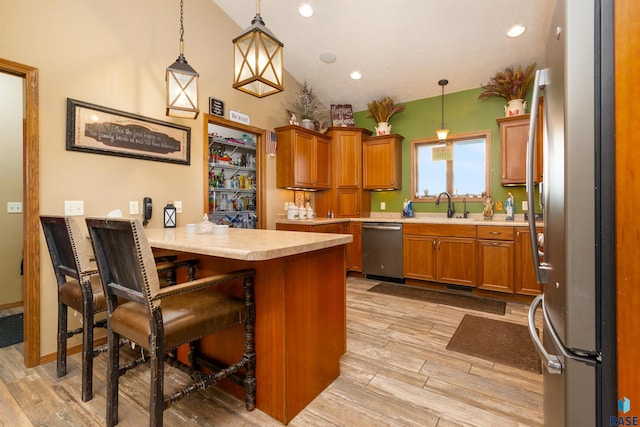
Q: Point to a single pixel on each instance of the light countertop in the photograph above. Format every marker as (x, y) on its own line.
(244, 244)
(419, 218)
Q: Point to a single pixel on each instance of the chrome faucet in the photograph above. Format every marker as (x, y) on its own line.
(450, 206)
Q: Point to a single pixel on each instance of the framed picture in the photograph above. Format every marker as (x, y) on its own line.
(95, 129)
(298, 197)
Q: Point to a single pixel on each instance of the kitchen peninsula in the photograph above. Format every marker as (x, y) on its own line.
(300, 296)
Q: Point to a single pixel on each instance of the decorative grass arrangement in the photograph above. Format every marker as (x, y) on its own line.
(383, 109)
(510, 83)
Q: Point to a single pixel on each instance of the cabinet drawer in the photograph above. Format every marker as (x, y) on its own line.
(450, 230)
(495, 232)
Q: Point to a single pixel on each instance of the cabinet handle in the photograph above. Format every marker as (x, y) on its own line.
(518, 236)
(495, 244)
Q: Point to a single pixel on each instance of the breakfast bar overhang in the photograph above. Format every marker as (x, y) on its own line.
(300, 296)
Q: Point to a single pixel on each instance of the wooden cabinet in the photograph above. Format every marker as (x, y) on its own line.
(382, 162)
(354, 249)
(514, 134)
(525, 277)
(496, 258)
(304, 159)
(440, 253)
(346, 198)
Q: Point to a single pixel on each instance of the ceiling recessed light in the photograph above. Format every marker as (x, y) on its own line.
(306, 10)
(327, 57)
(356, 75)
(516, 31)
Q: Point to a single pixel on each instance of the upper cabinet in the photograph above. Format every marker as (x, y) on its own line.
(382, 162)
(514, 134)
(234, 183)
(346, 197)
(304, 159)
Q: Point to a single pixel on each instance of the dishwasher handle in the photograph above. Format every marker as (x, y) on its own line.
(388, 227)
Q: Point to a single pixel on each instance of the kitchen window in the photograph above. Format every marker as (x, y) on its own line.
(461, 166)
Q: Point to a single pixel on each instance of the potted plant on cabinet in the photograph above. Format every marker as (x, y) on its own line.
(382, 110)
(308, 107)
(511, 84)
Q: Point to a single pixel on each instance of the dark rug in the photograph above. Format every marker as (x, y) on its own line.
(10, 330)
(497, 341)
(439, 297)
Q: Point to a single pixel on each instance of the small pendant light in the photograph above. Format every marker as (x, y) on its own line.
(258, 60)
(442, 132)
(182, 84)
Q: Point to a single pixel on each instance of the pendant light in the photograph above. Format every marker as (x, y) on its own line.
(442, 132)
(182, 84)
(258, 60)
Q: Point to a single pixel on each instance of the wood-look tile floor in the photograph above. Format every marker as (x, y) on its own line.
(396, 372)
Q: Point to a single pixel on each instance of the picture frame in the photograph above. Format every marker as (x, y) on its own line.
(95, 129)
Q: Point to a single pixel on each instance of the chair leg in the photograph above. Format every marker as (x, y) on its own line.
(157, 354)
(113, 375)
(249, 356)
(87, 353)
(61, 363)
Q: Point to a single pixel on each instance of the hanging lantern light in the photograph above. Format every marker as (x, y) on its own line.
(258, 60)
(182, 84)
(442, 132)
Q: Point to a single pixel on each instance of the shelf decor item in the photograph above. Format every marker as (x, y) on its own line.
(511, 84)
(382, 110)
(308, 107)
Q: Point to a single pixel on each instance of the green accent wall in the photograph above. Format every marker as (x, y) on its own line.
(463, 113)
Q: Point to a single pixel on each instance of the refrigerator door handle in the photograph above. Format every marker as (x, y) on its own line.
(551, 361)
(540, 268)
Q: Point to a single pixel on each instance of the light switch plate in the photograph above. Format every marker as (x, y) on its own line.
(383, 206)
(178, 206)
(74, 207)
(14, 207)
(134, 207)
(525, 205)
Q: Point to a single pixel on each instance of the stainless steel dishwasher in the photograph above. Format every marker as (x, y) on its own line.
(382, 249)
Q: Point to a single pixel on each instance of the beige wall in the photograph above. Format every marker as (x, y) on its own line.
(11, 114)
(115, 54)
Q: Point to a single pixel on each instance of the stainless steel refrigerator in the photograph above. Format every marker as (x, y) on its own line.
(575, 257)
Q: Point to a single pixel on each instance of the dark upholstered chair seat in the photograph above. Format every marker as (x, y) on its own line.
(71, 294)
(185, 317)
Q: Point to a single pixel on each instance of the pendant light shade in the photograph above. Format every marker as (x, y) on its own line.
(182, 84)
(258, 60)
(442, 132)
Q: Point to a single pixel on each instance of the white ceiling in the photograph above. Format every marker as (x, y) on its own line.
(401, 47)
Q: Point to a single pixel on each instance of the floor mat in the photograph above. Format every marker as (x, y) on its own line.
(470, 302)
(497, 341)
(11, 330)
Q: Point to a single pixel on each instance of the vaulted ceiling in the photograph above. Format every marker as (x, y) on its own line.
(402, 48)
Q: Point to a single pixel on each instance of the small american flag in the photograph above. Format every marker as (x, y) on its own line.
(272, 143)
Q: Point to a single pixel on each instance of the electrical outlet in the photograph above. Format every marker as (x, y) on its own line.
(14, 207)
(134, 207)
(383, 206)
(178, 206)
(525, 205)
(74, 207)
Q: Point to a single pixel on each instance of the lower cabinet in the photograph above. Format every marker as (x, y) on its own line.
(496, 258)
(431, 252)
(525, 276)
(354, 249)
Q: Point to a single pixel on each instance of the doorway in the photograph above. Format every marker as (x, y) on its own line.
(31, 208)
